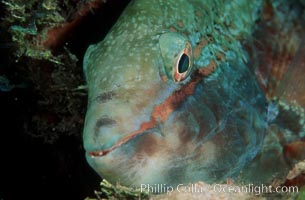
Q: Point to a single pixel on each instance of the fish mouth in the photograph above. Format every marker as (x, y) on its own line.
(147, 127)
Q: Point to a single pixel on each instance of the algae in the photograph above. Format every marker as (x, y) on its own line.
(109, 191)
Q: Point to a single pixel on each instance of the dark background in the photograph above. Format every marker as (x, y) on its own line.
(31, 168)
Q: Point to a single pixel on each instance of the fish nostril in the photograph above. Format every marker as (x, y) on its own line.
(104, 97)
(103, 122)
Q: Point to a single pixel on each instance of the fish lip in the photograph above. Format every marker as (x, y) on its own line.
(122, 141)
(104, 152)
(100, 153)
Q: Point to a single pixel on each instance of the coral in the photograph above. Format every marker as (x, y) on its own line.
(301, 194)
(28, 24)
(296, 176)
(109, 191)
(53, 76)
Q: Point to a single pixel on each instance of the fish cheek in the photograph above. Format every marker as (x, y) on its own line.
(192, 123)
(189, 130)
(147, 145)
(185, 136)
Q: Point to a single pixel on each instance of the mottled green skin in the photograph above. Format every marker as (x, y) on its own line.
(209, 136)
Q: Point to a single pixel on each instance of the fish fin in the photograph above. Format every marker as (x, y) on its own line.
(286, 110)
(277, 56)
(290, 98)
(292, 86)
(275, 42)
(280, 70)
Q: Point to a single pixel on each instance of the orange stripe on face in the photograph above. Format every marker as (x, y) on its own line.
(206, 71)
(203, 42)
(161, 112)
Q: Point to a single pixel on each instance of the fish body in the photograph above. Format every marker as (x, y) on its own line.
(172, 98)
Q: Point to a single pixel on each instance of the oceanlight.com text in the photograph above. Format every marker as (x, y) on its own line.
(219, 188)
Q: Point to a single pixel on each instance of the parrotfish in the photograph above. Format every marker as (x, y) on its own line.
(175, 94)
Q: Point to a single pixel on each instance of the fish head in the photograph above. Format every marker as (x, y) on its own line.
(132, 132)
(156, 116)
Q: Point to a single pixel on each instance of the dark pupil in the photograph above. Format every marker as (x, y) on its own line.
(183, 63)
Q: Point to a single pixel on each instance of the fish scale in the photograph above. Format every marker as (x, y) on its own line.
(152, 119)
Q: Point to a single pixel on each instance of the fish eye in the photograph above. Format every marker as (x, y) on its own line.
(183, 64)
(176, 52)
